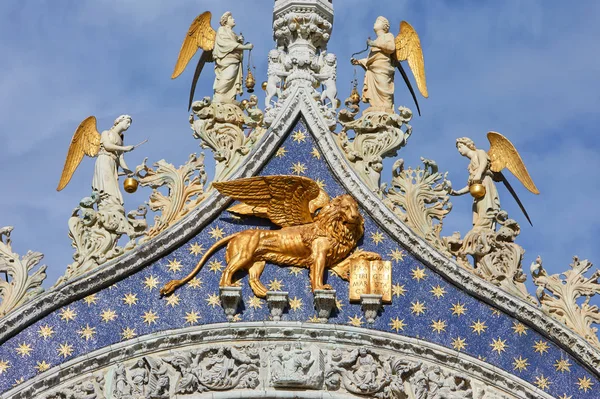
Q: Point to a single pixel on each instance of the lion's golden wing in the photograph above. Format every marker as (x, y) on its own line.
(503, 154)
(285, 199)
(408, 48)
(199, 35)
(85, 141)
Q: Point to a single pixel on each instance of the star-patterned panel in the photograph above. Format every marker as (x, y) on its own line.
(424, 306)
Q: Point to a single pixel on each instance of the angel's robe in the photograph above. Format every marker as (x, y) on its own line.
(106, 178)
(378, 87)
(484, 209)
(228, 66)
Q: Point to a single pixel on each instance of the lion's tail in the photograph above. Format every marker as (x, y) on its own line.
(172, 285)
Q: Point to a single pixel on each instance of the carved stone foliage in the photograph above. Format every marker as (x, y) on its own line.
(185, 190)
(376, 135)
(419, 197)
(496, 256)
(95, 228)
(220, 127)
(559, 295)
(91, 387)
(21, 282)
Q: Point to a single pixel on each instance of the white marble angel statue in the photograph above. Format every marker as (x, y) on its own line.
(327, 75)
(485, 168)
(275, 74)
(384, 56)
(223, 47)
(108, 149)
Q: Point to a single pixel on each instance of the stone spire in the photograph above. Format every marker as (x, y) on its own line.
(301, 30)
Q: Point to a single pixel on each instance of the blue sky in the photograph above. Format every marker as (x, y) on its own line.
(527, 69)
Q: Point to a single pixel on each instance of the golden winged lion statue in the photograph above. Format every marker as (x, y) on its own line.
(385, 55)
(485, 168)
(107, 147)
(223, 47)
(316, 232)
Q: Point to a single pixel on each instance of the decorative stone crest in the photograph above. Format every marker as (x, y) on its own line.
(22, 282)
(95, 228)
(185, 190)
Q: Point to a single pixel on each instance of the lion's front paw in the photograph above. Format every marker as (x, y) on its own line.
(323, 287)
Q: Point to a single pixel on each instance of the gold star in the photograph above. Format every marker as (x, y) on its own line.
(565, 396)
(338, 304)
(172, 300)
(4, 365)
(237, 317)
(563, 365)
(320, 183)
(295, 270)
(541, 347)
(191, 317)
(377, 237)
(87, 332)
(355, 321)
(458, 309)
(315, 153)
(67, 314)
(19, 381)
(417, 307)
(255, 302)
(438, 291)
(398, 290)
(108, 315)
(397, 255)
(482, 358)
(65, 350)
(24, 349)
(298, 168)
(296, 304)
(128, 333)
(314, 319)
(91, 299)
(195, 283)
(213, 300)
(542, 382)
(46, 331)
(130, 299)
(498, 345)
(215, 266)
(42, 366)
(397, 324)
(459, 343)
(150, 317)
(520, 364)
(281, 152)
(275, 285)
(438, 326)
(196, 249)
(151, 282)
(174, 266)
(478, 327)
(585, 383)
(299, 136)
(418, 274)
(496, 312)
(519, 328)
(216, 233)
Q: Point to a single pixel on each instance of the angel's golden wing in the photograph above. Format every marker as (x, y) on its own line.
(199, 35)
(503, 154)
(285, 200)
(85, 141)
(408, 48)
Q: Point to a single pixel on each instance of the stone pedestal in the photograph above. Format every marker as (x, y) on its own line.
(277, 301)
(230, 300)
(371, 305)
(324, 304)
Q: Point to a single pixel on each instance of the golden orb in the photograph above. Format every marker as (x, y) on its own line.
(477, 190)
(316, 84)
(244, 103)
(130, 185)
(354, 96)
(264, 85)
(250, 82)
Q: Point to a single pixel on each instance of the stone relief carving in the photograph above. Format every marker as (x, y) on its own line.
(296, 367)
(21, 283)
(220, 127)
(95, 228)
(558, 295)
(91, 387)
(185, 190)
(376, 135)
(419, 197)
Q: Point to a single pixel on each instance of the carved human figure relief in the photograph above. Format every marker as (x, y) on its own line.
(276, 73)
(328, 75)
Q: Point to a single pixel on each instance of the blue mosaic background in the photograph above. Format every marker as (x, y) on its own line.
(424, 305)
